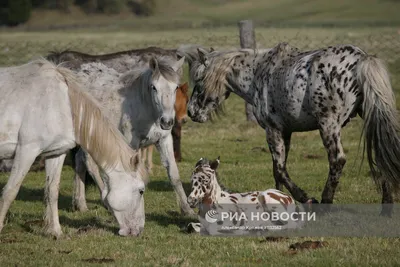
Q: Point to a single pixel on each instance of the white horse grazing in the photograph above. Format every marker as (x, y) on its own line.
(207, 192)
(45, 112)
(141, 104)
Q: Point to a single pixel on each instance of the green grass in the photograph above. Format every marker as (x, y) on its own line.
(244, 166)
(173, 14)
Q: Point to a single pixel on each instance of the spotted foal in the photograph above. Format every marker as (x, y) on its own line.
(206, 191)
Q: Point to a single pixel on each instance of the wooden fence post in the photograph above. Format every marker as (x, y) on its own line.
(247, 40)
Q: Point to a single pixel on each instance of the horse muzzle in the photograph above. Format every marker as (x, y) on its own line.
(134, 232)
(166, 123)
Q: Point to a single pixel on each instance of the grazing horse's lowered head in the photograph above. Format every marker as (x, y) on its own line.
(159, 84)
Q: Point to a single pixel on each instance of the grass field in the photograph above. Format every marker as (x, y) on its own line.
(172, 14)
(90, 238)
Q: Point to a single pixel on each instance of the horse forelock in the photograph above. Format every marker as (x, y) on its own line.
(215, 79)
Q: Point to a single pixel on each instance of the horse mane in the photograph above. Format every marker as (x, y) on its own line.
(93, 130)
(189, 51)
(215, 77)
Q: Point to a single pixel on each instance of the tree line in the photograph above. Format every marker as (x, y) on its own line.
(14, 12)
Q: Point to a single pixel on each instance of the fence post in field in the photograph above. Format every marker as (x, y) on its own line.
(247, 40)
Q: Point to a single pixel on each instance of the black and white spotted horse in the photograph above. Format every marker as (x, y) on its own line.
(207, 192)
(294, 91)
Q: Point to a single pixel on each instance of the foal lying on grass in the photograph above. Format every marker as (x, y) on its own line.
(206, 192)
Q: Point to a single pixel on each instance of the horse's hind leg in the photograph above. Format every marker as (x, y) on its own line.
(53, 176)
(23, 160)
(330, 134)
(277, 145)
(78, 198)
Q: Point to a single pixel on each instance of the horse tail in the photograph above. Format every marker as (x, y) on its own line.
(381, 122)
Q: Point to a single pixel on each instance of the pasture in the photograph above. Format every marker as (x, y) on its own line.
(90, 238)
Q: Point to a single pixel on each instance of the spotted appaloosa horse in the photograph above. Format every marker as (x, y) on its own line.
(207, 191)
(182, 99)
(295, 91)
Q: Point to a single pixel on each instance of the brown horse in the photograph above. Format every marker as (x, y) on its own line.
(182, 98)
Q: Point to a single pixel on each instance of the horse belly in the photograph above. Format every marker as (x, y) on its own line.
(9, 127)
(302, 123)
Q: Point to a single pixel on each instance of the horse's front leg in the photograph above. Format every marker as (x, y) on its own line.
(52, 187)
(165, 147)
(330, 134)
(176, 137)
(93, 170)
(23, 160)
(277, 142)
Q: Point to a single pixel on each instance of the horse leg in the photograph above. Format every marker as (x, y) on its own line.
(78, 197)
(330, 134)
(165, 147)
(53, 176)
(277, 146)
(286, 140)
(176, 138)
(387, 200)
(23, 160)
(93, 170)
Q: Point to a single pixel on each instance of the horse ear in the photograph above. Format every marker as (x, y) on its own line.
(202, 56)
(199, 162)
(153, 64)
(178, 64)
(214, 164)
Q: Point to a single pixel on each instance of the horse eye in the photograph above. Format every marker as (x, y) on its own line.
(176, 89)
(141, 191)
(153, 88)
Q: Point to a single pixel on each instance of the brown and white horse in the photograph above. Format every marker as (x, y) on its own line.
(207, 191)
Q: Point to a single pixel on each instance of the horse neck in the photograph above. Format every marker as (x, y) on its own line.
(143, 105)
(216, 191)
(241, 85)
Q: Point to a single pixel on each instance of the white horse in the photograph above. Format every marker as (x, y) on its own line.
(45, 112)
(141, 104)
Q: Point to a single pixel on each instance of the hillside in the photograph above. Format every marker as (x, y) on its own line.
(172, 14)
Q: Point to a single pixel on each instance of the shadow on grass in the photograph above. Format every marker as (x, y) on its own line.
(36, 194)
(89, 223)
(171, 218)
(84, 225)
